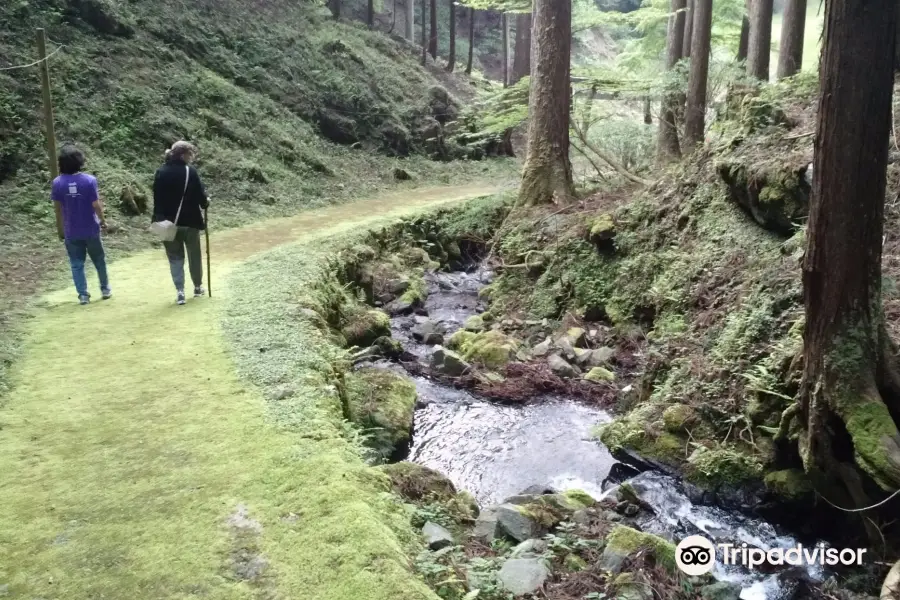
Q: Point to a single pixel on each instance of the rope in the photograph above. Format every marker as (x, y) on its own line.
(855, 510)
(37, 62)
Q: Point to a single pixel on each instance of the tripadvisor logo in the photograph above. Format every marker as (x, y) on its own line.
(695, 555)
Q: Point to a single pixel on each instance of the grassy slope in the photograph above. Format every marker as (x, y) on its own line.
(119, 481)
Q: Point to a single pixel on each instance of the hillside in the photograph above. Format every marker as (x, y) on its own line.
(289, 108)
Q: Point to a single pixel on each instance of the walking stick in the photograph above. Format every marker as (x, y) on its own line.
(208, 269)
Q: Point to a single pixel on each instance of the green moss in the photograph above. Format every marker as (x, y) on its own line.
(382, 403)
(627, 541)
(722, 466)
(637, 432)
(491, 349)
(474, 323)
(581, 497)
(415, 483)
(364, 327)
(461, 340)
(418, 290)
(574, 563)
(603, 227)
(875, 439)
(790, 483)
(599, 375)
(678, 417)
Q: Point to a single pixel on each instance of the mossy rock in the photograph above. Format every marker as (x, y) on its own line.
(722, 466)
(415, 483)
(602, 232)
(363, 328)
(625, 541)
(792, 484)
(490, 349)
(574, 563)
(600, 375)
(776, 197)
(636, 431)
(417, 291)
(474, 323)
(461, 339)
(678, 417)
(382, 403)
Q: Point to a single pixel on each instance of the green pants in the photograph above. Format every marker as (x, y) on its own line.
(186, 239)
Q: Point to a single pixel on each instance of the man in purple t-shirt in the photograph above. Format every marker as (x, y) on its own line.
(79, 207)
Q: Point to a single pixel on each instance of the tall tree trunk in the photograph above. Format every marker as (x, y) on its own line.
(744, 40)
(471, 41)
(504, 23)
(451, 58)
(760, 43)
(790, 54)
(648, 112)
(667, 147)
(522, 51)
(424, 6)
(335, 6)
(547, 175)
(849, 371)
(370, 13)
(695, 112)
(688, 30)
(410, 25)
(433, 33)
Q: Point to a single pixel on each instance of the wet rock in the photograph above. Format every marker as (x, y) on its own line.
(475, 324)
(414, 482)
(430, 333)
(529, 549)
(436, 537)
(487, 526)
(538, 490)
(721, 590)
(448, 362)
(566, 348)
(397, 287)
(523, 575)
(624, 541)
(516, 523)
(600, 375)
(388, 347)
(795, 584)
(561, 367)
(400, 307)
(577, 336)
(543, 349)
(594, 358)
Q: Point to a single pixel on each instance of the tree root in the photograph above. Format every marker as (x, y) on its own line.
(787, 417)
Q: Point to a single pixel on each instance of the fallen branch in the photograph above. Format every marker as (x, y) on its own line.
(797, 136)
(612, 162)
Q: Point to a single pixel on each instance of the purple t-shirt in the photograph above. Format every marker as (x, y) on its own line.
(77, 194)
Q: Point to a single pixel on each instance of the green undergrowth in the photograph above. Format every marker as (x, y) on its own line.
(684, 271)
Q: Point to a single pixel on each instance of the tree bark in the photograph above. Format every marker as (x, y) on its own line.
(744, 41)
(451, 58)
(424, 7)
(471, 41)
(504, 23)
(547, 175)
(335, 6)
(790, 53)
(667, 146)
(522, 52)
(370, 13)
(695, 112)
(433, 33)
(688, 29)
(760, 42)
(410, 24)
(850, 387)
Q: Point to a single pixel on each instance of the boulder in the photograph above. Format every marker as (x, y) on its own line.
(600, 375)
(623, 542)
(523, 575)
(475, 324)
(363, 328)
(401, 307)
(515, 522)
(543, 349)
(594, 358)
(382, 403)
(678, 417)
(562, 368)
(414, 482)
(577, 336)
(401, 174)
(437, 537)
(721, 590)
(491, 349)
(448, 362)
(388, 347)
(430, 333)
(487, 526)
(566, 348)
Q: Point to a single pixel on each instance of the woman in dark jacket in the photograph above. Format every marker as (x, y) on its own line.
(178, 183)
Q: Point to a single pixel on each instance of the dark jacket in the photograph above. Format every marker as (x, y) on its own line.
(167, 189)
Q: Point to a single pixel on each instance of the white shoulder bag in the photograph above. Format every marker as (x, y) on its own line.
(166, 230)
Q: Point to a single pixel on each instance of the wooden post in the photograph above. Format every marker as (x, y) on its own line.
(48, 120)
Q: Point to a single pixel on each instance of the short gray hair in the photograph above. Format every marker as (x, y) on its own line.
(180, 148)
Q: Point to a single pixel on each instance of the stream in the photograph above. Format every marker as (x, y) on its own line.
(494, 451)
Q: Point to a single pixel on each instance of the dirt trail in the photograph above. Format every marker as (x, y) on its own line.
(128, 441)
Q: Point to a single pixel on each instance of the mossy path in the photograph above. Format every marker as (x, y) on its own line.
(135, 464)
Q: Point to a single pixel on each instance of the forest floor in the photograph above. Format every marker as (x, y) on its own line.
(156, 475)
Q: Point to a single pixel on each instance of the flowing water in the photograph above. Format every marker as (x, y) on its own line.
(494, 451)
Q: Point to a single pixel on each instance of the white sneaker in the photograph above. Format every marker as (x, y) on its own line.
(199, 291)
(180, 298)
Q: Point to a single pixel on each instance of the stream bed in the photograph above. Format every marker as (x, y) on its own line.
(494, 451)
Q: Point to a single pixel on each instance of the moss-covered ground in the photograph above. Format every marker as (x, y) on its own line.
(137, 463)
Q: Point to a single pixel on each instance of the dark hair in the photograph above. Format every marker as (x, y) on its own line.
(71, 160)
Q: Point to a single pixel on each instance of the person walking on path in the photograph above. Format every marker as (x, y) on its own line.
(179, 197)
(78, 202)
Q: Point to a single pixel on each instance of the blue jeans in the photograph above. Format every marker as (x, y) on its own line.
(78, 251)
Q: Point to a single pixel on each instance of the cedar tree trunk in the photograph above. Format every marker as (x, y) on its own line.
(695, 112)
(760, 43)
(790, 54)
(667, 147)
